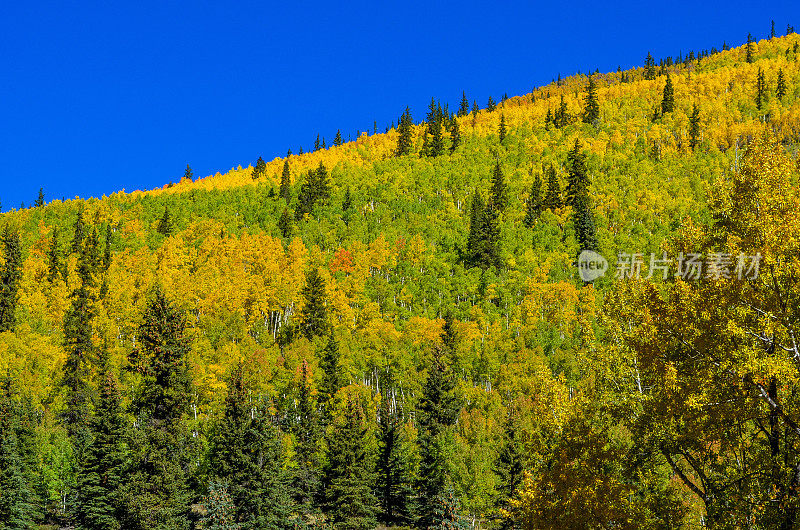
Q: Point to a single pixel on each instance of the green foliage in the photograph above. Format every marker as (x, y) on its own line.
(260, 169)
(668, 97)
(332, 376)
(306, 430)
(285, 223)
(534, 204)
(591, 108)
(761, 89)
(463, 108)
(434, 140)
(501, 131)
(314, 314)
(780, 88)
(286, 182)
(188, 174)
(166, 226)
(393, 469)
(649, 67)
(315, 190)
(220, 509)
(10, 276)
(18, 509)
(499, 199)
(405, 130)
(750, 49)
(483, 241)
(694, 127)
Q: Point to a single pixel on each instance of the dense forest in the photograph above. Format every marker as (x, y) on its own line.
(392, 330)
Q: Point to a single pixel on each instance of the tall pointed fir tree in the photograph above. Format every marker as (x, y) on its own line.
(561, 117)
(482, 249)
(219, 510)
(552, 197)
(286, 182)
(694, 127)
(349, 474)
(260, 169)
(40, 199)
(499, 199)
(247, 453)
(405, 130)
(393, 469)
(79, 233)
(285, 223)
(750, 49)
(166, 225)
(463, 108)
(501, 130)
(533, 207)
(315, 189)
(780, 88)
(577, 177)
(649, 67)
(306, 431)
(163, 453)
(314, 314)
(188, 174)
(434, 139)
(102, 468)
(490, 105)
(332, 377)
(668, 98)
(591, 109)
(337, 140)
(761, 89)
(510, 463)
(455, 137)
(10, 277)
(107, 248)
(55, 261)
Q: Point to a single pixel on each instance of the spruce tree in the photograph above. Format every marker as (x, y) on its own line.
(18, 503)
(583, 219)
(10, 277)
(749, 49)
(393, 470)
(156, 491)
(247, 453)
(348, 476)
(40, 199)
(315, 189)
(405, 131)
(483, 242)
(780, 88)
(510, 462)
(337, 140)
(306, 430)
(433, 134)
(548, 120)
(668, 99)
(79, 233)
(314, 315)
(260, 169)
(552, 197)
(188, 174)
(534, 205)
(463, 109)
(649, 67)
(499, 198)
(694, 127)
(475, 108)
(347, 201)
(102, 468)
(286, 183)
(562, 117)
(578, 178)
(107, 248)
(285, 223)
(591, 109)
(316, 144)
(166, 225)
(55, 260)
(332, 377)
(219, 509)
(455, 137)
(761, 89)
(490, 105)
(501, 131)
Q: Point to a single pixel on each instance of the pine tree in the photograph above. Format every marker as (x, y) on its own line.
(10, 278)
(583, 218)
(761, 89)
(463, 109)
(314, 315)
(591, 109)
(694, 127)
(260, 169)
(749, 49)
(349, 477)
(285, 223)
(552, 197)
(347, 202)
(337, 141)
(247, 453)
(55, 260)
(578, 178)
(306, 479)
(316, 144)
(475, 108)
(780, 88)
(772, 30)
(102, 468)
(448, 509)
(499, 198)
(534, 205)
(548, 120)
(668, 99)
(501, 131)
(393, 470)
(315, 189)
(435, 145)
(510, 463)
(490, 105)
(107, 248)
(162, 451)
(18, 510)
(286, 183)
(562, 117)
(332, 377)
(188, 174)
(79, 233)
(219, 509)
(437, 412)
(166, 225)
(405, 131)
(649, 67)
(40, 199)
(484, 236)
(455, 137)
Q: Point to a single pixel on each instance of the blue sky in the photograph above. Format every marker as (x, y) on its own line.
(96, 98)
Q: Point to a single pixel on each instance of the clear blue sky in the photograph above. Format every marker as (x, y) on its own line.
(95, 98)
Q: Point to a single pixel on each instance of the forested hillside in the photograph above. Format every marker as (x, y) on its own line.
(392, 330)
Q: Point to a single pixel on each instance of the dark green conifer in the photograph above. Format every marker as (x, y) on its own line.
(188, 174)
(552, 197)
(463, 109)
(332, 377)
(490, 105)
(219, 510)
(583, 218)
(40, 199)
(433, 135)
(285, 223)
(501, 131)
(750, 49)
(107, 248)
(475, 108)
(780, 88)
(286, 183)
(668, 98)
(316, 144)
(533, 207)
(499, 198)
(510, 462)
(455, 137)
(649, 67)
(260, 169)
(578, 178)
(314, 314)
(10, 277)
(694, 127)
(761, 89)
(405, 130)
(337, 140)
(55, 261)
(591, 109)
(166, 225)
(483, 242)
(18, 501)
(306, 430)
(393, 469)
(79, 233)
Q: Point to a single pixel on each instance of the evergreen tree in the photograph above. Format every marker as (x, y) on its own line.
(247, 453)
(552, 197)
(79, 233)
(463, 109)
(166, 225)
(188, 174)
(332, 377)
(315, 189)
(694, 127)
(772, 30)
(102, 468)
(40, 199)
(490, 105)
(156, 493)
(314, 315)
(562, 117)
(285, 223)
(435, 145)
(455, 137)
(484, 236)
(499, 198)
(10, 277)
(548, 120)
(780, 88)
(761, 89)
(305, 480)
(405, 129)
(338, 138)
(447, 512)
(286, 183)
(749, 49)
(349, 476)
(316, 144)
(510, 462)
(18, 510)
(534, 205)
(578, 178)
(649, 67)
(591, 109)
(219, 509)
(55, 261)
(475, 108)
(393, 470)
(437, 412)
(501, 132)
(583, 218)
(668, 99)
(260, 169)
